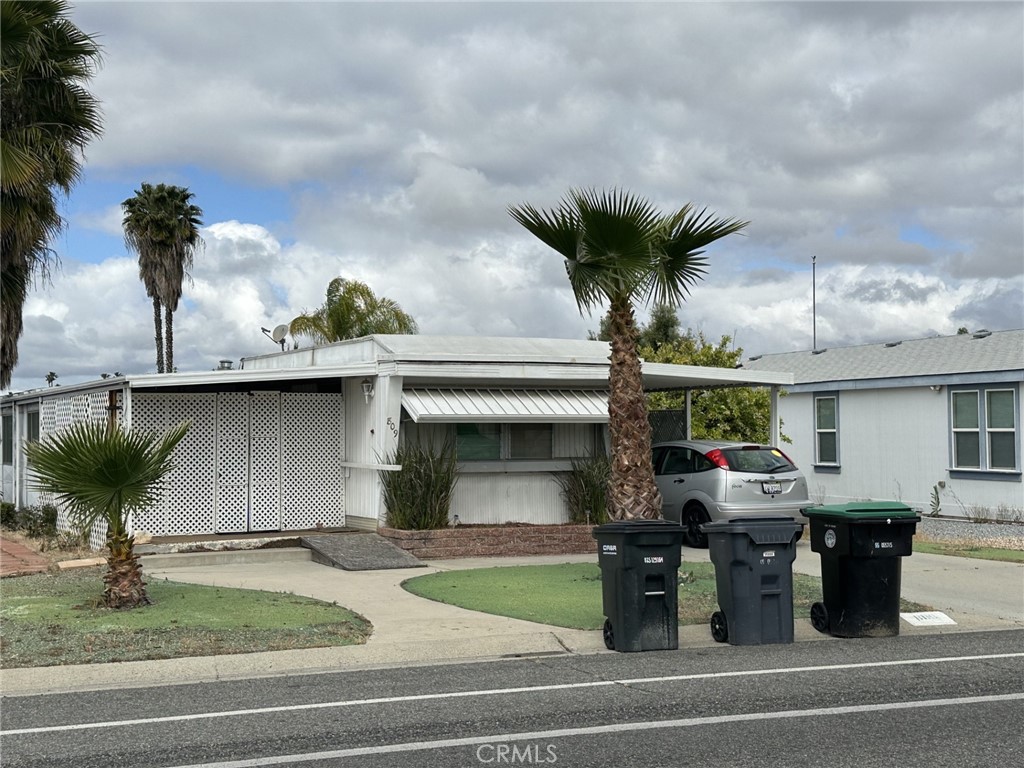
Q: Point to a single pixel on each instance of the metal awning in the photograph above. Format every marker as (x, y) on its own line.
(506, 405)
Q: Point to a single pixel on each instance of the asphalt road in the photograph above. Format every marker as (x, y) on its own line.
(939, 700)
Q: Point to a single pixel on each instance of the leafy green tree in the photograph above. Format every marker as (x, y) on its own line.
(735, 413)
(619, 249)
(351, 311)
(46, 119)
(161, 225)
(104, 473)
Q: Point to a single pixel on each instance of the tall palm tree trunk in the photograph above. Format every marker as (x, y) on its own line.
(169, 339)
(159, 336)
(14, 284)
(632, 490)
(125, 587)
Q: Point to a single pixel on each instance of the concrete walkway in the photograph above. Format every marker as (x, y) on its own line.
(409, 630)
(18, 560)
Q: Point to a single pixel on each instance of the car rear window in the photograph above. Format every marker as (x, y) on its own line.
(757, 460)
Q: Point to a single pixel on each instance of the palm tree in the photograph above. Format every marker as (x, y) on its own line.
(162, 226)
(46, 119)
(618, 248)
(104, 473)
(50, 378)
(351, 311)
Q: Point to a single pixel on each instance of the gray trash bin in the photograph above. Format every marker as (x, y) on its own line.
(753, 560)
(639, 562)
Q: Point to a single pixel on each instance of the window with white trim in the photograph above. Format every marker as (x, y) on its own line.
(495, 442)
(984, 429)
(8, 438)
(826, 430)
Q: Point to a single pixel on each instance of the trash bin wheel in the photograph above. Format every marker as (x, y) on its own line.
(609, 635)
(719, 627)
(819, 617)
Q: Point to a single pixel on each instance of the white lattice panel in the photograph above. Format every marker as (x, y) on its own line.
(232, 462)
(312, 449)
(187, 497)
(48, 416)
(265, 461)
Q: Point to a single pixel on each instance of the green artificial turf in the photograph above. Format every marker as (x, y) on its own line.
(569, 594)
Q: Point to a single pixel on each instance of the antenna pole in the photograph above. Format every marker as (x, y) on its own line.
(814, 304)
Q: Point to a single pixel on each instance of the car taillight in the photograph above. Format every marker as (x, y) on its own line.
(717, 458)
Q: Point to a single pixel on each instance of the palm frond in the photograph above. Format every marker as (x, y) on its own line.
(103, 472)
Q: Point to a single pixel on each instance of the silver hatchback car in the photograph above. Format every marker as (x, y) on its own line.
(706, 480)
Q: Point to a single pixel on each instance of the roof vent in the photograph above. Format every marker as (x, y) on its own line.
(819, 351)
(981, 334)
(893, 343)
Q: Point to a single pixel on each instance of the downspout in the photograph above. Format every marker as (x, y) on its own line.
(774, 433)
(689, 425)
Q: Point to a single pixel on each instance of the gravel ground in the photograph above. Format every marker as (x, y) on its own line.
(1004, 535)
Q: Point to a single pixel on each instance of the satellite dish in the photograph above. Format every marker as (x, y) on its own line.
(279, 333)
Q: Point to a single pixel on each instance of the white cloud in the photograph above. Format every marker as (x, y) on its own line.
(400, 133)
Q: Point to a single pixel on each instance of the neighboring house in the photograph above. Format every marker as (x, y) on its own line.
(296, 439)
(901, 420)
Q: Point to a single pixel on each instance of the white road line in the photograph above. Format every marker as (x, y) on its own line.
(494, 692)
(505, 738)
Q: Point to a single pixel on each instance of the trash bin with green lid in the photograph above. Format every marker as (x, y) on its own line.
(753, 559)
(639, 562)
(861, 544)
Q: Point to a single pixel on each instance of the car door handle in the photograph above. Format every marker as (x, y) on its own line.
(679, 480)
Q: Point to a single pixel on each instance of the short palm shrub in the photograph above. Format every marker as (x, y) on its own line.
(419, 496)
(103, 473)
(585, 489)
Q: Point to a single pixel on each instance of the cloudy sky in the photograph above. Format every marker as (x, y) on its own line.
(384, 142)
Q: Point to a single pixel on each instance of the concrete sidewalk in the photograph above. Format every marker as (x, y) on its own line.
(409, 630)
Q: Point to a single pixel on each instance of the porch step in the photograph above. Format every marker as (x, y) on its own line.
(358, 552)
(165, 560)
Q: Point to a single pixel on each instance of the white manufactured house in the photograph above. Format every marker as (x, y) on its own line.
(906, 419)
(297, 439)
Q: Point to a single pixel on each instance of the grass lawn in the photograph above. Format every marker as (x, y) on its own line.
(965, 549)
(51, 619)
(569, 594)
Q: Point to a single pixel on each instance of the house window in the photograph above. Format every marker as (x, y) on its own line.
(32, 427)
(984, 429)
(7, 425)
(478, 442)
(529, 441)
(826, 429)
(494, 442)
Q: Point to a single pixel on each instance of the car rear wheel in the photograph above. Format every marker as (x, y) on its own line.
(694, 516)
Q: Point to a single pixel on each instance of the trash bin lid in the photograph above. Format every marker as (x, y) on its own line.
(859, 510)
(744, 524)
(638, 526)
(762, 530)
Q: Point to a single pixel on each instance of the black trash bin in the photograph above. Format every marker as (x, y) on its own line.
(861, 544)
(753, 558)
(639, 562)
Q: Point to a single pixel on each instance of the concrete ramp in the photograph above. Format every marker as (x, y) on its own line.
(358, 552)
